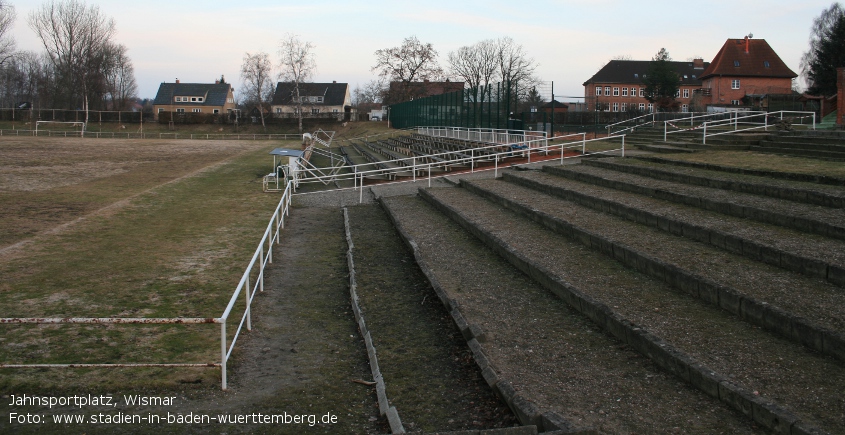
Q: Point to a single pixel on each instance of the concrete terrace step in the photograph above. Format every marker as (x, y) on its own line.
(805, 310)
(555, 368)
(810, 193)
(401, 312)
(803, 217)
(809, 254)
(754, 371)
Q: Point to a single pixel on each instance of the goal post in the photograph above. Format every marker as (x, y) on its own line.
(73, 124)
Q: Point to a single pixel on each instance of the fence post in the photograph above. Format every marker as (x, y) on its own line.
(261, 269)
(223, 353)
(248, 314)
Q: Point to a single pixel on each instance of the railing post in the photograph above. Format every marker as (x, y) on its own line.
(472, 160)
(248, 312)
(704, 136)
(261, 269)
(623, 145)
(223, 353)
(665, 130)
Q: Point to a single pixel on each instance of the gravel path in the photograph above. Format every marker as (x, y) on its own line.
(553, 355)
(786, 373)
(430, 376)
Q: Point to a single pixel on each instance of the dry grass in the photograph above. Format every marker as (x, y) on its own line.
(765, 161)
(123, 228)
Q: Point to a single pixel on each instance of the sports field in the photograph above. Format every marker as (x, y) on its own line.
(123, 228)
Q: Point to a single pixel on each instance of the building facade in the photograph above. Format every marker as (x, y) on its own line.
(619, 87)
(744, 73)
(200, 98)
(318, 100)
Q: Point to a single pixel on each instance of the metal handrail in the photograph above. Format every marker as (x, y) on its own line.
(757, 125)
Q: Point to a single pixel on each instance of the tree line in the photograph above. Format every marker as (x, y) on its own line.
(80, 67)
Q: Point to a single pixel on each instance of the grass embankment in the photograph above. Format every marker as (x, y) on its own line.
(186, 218)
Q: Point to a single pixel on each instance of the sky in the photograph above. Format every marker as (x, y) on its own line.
(200, 41)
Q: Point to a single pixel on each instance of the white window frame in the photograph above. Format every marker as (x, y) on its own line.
(735, 84)
(686, 93)
(196, 110)
(615, 91)
(624, 92)
(216, 111)
(650, 107)
(642, 107)
(633, 92)
(642, 92)
(598, 91)
(685, 108)
(624, 107)
(607, 91)
(615, 107)
(180, 110)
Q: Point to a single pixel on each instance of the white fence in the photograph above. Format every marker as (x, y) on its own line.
(261, 258)
(752, 122)
(486, 135)
(139, 135)
(423, 166)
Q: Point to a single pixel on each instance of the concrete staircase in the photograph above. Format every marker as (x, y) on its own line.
(634, 295)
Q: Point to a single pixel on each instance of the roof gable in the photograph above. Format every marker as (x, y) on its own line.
(214, 94)
(748, 58)
(334, 94)
(633, 71)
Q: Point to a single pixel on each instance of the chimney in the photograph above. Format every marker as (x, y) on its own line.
(334, 81)
(746, 44)
(177, 81)
(698, 63)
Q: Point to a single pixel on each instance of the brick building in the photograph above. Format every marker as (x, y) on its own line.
(619, 87)
(744, 73)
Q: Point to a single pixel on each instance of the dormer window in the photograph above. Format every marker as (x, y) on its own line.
(736, 63)
(766, 64)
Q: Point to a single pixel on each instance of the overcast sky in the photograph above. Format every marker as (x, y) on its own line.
(198, 41)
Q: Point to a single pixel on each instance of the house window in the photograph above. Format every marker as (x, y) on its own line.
(319, 99)
(678, 93)
(735, 102)
(180, 110)
(193, 99)
(766, 64)
(736, 63)
(642, 107)
(650, 107)
(334, 111)
(684, 108)
(686, 93)
(615, 92)
(624, 92)
(278, 110)
(624, 106)
(216, 111)
(607, 91)
(315, 110)
(615, 107)
(177, 99)
(197, 110)
(160, 110)
(598, 91)
(633, 92)
(200, 99)
(642, 92)
(735, 84)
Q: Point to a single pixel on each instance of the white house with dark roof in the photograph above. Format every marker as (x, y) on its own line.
(207, 98)
(318, 100)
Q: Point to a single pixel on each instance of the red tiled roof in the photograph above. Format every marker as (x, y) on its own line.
(747, 58)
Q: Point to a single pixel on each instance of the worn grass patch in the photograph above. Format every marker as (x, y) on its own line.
(764, 161)
(183, 220)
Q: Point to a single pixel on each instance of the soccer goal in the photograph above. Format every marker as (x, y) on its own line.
(61, 127)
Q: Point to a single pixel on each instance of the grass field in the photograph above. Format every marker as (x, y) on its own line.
(123, 228)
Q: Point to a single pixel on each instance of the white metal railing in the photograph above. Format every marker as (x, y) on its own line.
(636, 121)
(413, 166)
(696, 121)
(486, 135)
(140, 135)
(256, 266)
(750, 122)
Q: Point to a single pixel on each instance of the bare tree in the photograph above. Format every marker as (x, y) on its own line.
(119, 75)
(372, 92)
(516, 69)
(475, 64)
(297, 67)
(257, 77)
(7, 41)
(76, 37)
(412, 62)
